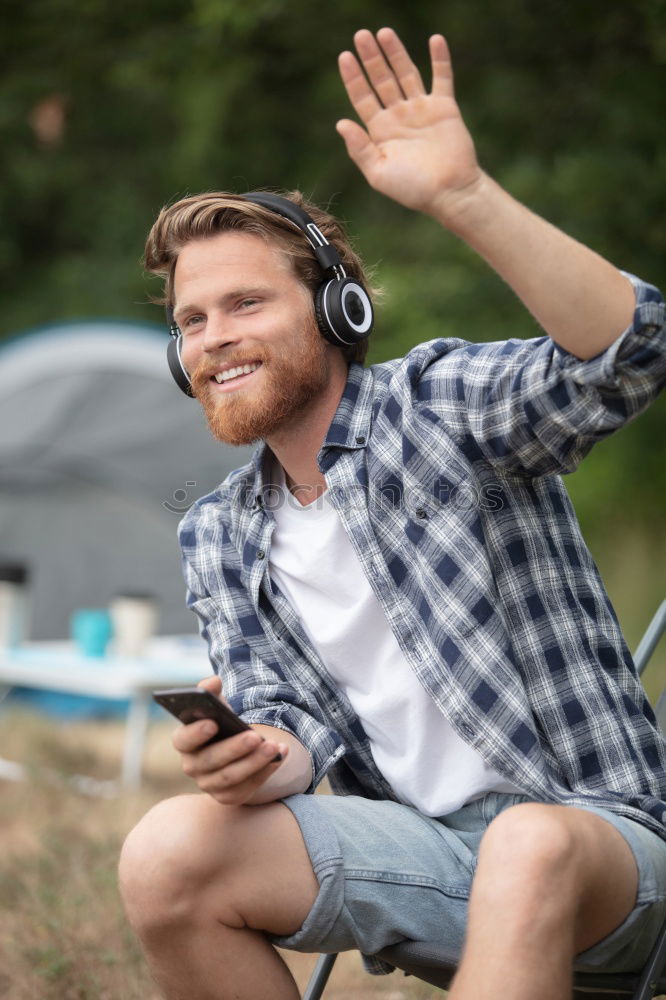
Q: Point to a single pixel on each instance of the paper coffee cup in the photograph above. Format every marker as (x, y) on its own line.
(13, 603)
(134, 618)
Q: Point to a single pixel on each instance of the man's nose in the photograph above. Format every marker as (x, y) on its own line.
(219, 333)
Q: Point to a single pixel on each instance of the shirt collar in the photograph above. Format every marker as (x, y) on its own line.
(261, 468)
(350, 427)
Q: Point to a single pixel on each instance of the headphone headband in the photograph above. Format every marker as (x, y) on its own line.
(327, 256)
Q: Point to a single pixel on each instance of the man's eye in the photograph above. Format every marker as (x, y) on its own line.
(192, 321)
(246, 303)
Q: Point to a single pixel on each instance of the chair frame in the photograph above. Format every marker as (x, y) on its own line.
(424, 960)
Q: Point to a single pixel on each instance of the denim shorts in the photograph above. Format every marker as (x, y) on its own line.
(387, 873)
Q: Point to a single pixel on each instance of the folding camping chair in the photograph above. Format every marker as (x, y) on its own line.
(430, 962)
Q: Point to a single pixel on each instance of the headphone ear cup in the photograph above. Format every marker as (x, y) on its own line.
(344, 312)
(176, 367)
(320, 315)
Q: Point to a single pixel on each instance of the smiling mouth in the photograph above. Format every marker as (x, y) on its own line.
(235, 374)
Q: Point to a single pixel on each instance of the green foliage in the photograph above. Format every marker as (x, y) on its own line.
(565, 101)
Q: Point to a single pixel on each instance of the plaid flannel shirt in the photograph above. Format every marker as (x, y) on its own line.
(444, 467)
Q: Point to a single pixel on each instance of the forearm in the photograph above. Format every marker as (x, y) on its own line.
(416, 149)
(294, 774)
(581, 300)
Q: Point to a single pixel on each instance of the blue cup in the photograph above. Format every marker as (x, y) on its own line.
(91, 629)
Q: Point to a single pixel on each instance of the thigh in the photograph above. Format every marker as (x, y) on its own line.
(242, 865)
(563, 853)
(609, 872)
(386, 873)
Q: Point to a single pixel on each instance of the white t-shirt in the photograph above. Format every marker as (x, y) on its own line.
(416, 749)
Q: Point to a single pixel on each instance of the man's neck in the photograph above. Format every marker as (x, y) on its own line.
(297, 446)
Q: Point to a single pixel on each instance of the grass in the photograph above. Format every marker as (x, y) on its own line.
(63, 934)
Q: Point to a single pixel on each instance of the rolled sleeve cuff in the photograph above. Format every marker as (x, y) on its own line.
(324, 745)
(640, 351)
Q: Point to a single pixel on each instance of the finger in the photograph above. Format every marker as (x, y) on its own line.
(442, 70)
(269, 753)
(214, 685)
(404, 69)
(380, 74)
(237, 772)
(235, 793)
(360, 147)
(187, 739)
(190, 739)
(226, 753)
(360, 93)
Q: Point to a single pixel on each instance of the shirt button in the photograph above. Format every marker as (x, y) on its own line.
(360, 439)
(420, 512)
(260, 554)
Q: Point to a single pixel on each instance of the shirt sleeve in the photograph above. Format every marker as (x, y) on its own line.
(533, 408)
(256, 688)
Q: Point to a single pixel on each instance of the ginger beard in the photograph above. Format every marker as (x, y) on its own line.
(290, 381)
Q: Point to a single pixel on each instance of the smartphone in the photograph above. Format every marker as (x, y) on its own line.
(192, 704)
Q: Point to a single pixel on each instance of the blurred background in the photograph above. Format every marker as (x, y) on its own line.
(109, 109)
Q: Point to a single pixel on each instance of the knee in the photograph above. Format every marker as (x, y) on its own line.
(167, 860)
(531, 841)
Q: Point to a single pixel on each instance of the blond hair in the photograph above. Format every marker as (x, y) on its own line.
(204, 215)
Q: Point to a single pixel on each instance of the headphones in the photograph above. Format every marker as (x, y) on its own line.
(343, 309)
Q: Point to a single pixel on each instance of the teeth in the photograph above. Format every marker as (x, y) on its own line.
(235, 372)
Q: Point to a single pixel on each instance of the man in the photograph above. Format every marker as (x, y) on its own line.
(417, 615)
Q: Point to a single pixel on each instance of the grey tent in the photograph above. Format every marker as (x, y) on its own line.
(100, 454)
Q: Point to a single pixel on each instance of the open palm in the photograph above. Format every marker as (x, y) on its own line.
(415, 147)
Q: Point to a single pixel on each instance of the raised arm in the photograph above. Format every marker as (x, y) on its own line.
(415, 148)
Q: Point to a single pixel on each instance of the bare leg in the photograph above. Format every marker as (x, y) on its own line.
(541, 894)
(201, 882)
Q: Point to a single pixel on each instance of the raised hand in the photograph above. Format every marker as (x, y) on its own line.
(415, 147)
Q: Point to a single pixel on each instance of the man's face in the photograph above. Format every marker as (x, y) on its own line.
(250, 343)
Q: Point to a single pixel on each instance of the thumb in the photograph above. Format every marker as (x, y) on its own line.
(212, 684)
(360, 147)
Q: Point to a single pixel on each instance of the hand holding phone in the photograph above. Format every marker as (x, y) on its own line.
(192, 704)
(257, 764)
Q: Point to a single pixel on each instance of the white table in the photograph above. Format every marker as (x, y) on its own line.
(174, 661)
